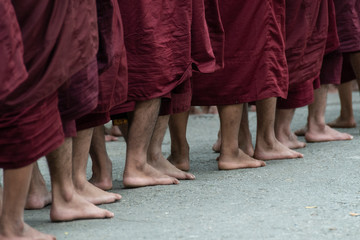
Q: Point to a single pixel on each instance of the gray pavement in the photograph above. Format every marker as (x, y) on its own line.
(309, 198)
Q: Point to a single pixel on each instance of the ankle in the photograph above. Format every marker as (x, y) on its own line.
(9, 225)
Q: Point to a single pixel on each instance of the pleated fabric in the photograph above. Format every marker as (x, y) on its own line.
(255, 63)
(307, 23)
(165, 41)
(59, 39)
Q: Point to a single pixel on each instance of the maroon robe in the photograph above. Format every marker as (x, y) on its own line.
(207, 52)
(306, 34)
(112, 65)
(35, 129)
(161, 53)
(50, 31)
(255, 63)
(60, 39)
(348, 23)
(332, 62)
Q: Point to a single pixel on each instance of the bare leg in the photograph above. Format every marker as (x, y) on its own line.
(179, 156)
(124, 128)
(67, 204)
(155, 156)
(317, 130)
(112, 134)
(115, 131)
(81, 146)
(38, 196)
(217, 145)
(1, 198)
(101, 163)
(231, 157)
(282, 129)
(213, 110)
(267, 145)
(12, 225)
(346, 118)
(138, 173)
(245, 139)
(196, 110)
(110, 138)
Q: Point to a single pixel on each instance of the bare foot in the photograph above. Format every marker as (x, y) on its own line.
(110, 138)
(217, 145)
(213, 110)
(300, 132)
(76, 207)
(326, 134)
(23, 232)
(243, 145)
(38, 196)
(182, 164)
(342, 123)
(95, 195)
(246, 147)
(1, 197)
(164, 166)
(290, 140)
(38, 199)
(102, 181)
(179, 157)
(275, 150)
(237, 161)
(115, 131)
(196, 110)
(205, 109)
(146, 175)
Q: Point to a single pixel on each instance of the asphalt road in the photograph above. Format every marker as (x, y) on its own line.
(311, 198)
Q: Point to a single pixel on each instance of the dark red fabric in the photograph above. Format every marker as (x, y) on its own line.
(29, 133)
(331, 68)
(348, 23)
(207, 36)
(112, 65)
(207, 52)
(332, 62)
(163, 39)
(60, 38)
(180, 100)
(332, 42)
(307, 24)
(216, 31)
(12, 69)
(255, 63)
(78, 97)
(157, 39)
(347, 72)
(122, 108)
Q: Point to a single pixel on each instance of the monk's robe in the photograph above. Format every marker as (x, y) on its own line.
(78, 96)
(207, 52)
(332, 62)
(306, 34)
(348, 24)
(57, 44)
(255, 63)
(112, 65)
(158, 40)
(23, 139)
